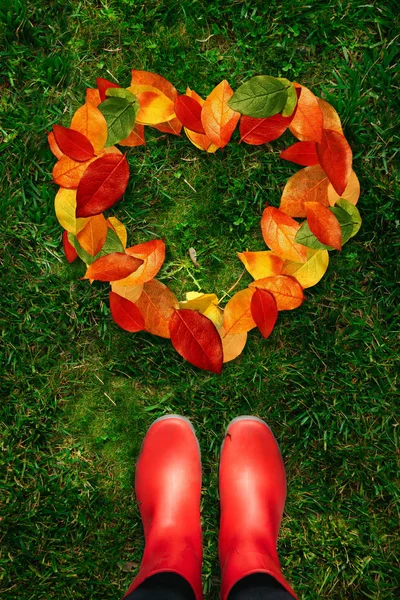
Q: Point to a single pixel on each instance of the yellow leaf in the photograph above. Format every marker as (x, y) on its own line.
(232, 344)
(237, 313)
(130, 292)
(119, 229)
(65, 208)
(261, 264)
(206, 304)
(310, 272)
(155, 107)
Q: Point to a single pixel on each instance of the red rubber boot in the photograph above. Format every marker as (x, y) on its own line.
(168, 487)
(252, 486)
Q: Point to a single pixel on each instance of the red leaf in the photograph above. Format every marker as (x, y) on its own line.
(69, 250)
(112, 267)
(264, 311)
(103, 85)
(336, 158)
(102, 185)
(125, 313)
(324, 225)
(188, 111)
(196, 339)
(301, 153)
(73, 143)
(259, 131)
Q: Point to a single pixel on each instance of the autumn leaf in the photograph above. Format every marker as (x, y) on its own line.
(291, 100)
(119, 110)
(157, 303)
(102, 185)
(330, 117)
(261, 264)
(261, 96)
(65, 209)
(73, 143)
(53, 145)
(301, 153)
(92, 97)
(307, 123)
(206, 304)
(153, 255)
(69, 251)
(112, 267)
(130, 292)
(286, 290)
(353, 212)
(351, 193)
(93, 236)
(155, 107)
(89, 121)
(202, 142)
(260, 131)
(237, 313)
(307, 185)
(119, 228)
(218, 119)
(196, 339)
(335, 157)
(306, 237)
(68, 173)
(324, 225)
(188, 111)
(279, 232)
(156, 81)
(310, 272)
(135, 138)
(348, 217)
(232, 344)
(103, 85)
(125, 313)
(264, 311)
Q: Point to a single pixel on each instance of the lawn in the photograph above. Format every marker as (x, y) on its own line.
(78, 393)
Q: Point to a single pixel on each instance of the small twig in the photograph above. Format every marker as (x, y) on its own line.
(190, 185)
(112, 75)
(193, 257)
(233, 287)
(110, 50)
(206, 40)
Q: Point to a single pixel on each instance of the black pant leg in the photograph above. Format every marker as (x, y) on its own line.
(163, 586)
(258, 586)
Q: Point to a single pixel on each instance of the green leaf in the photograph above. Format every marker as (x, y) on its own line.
(307, 238)
(353, 212)
(260, 97)
(112, 244)
(291, 101)
(120, 116)
(121, 93)
(345, 222)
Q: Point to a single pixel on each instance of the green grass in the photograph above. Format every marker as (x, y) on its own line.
(78, 393)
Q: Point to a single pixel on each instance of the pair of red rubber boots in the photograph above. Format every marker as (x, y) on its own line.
(252, 487)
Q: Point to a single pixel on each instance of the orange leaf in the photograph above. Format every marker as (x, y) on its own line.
(125, 313)
(330, 116)
(301, 153)
(67, 172)
(135, 138)
(232, 344)
(112, 267)
(155, 107)
(335, 157)
(156, 81)
(279, 232)
(324, 225)
(53, 145)
(196, 339)
(174, 126)
(218, 119)
(237, 313)
(201, 141)
(264, 311)
(92, 97)
(89, 121)
(307, 123)
(157, 303)
(153, 255)
(93, 236)
(351, 193)
(261, 264)
(130, 292)
(307, 185)
(286, 290)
